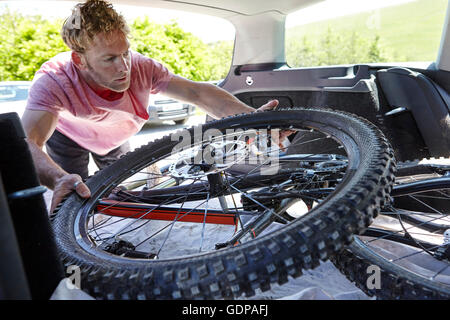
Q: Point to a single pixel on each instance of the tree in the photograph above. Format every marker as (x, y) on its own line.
(334, 48)
(182, 52)
(221, 53)
(25, 44)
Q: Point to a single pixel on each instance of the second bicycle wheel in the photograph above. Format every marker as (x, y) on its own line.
(221, 210)
(405, 253)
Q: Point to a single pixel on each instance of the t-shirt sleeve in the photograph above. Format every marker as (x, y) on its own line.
(43, 95)
(154, 74)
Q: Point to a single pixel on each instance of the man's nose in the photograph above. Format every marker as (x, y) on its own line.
(123, 64)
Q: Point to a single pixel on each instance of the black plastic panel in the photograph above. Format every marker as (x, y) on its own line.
(352, 88)
(340, 79)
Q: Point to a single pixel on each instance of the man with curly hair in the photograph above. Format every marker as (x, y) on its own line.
(92, 99)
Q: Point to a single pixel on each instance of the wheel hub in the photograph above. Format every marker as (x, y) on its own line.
(208, 159)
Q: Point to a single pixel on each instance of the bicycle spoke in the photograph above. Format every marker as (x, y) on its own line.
(170, 224)
(173, 222)
(204, 224)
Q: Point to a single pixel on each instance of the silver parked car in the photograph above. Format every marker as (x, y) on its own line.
(162, 108)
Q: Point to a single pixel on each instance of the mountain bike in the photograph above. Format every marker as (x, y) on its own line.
(221, 210)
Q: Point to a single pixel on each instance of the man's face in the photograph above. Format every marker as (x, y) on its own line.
(108, 61)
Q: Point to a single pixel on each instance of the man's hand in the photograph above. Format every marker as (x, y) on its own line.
(273, 104)
(67, 184)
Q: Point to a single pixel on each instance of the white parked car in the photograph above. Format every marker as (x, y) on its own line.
(162, 108)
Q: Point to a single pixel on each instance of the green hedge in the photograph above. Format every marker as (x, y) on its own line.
(26, 43)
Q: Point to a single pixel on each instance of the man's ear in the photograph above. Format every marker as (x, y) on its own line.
(78, 60)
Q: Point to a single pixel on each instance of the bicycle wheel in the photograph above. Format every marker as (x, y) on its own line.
(225, 211)
(409, 243)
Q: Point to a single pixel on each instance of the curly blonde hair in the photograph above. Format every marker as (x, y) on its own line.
(89, 19)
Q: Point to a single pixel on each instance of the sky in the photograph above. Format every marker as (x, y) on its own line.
(218, 29)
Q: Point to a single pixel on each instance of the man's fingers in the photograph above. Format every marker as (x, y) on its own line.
(57, 198)
(282, 135)
(55, 202)
(286, 133)
(66, 185)
(272, 104)
(82, 189)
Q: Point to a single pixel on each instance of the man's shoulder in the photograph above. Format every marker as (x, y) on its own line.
(56, 69)
(148, 73)
(53, 77)
(61, 60)
(140, 59)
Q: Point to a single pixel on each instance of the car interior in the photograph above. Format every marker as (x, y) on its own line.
(410, 103)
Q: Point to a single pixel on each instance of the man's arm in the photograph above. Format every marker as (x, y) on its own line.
(215, 101)
(39, 126)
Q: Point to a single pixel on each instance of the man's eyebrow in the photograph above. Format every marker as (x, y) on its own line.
(114, 55)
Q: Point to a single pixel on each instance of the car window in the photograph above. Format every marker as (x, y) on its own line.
(195, 46)
(216, 35)
(361, 31)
